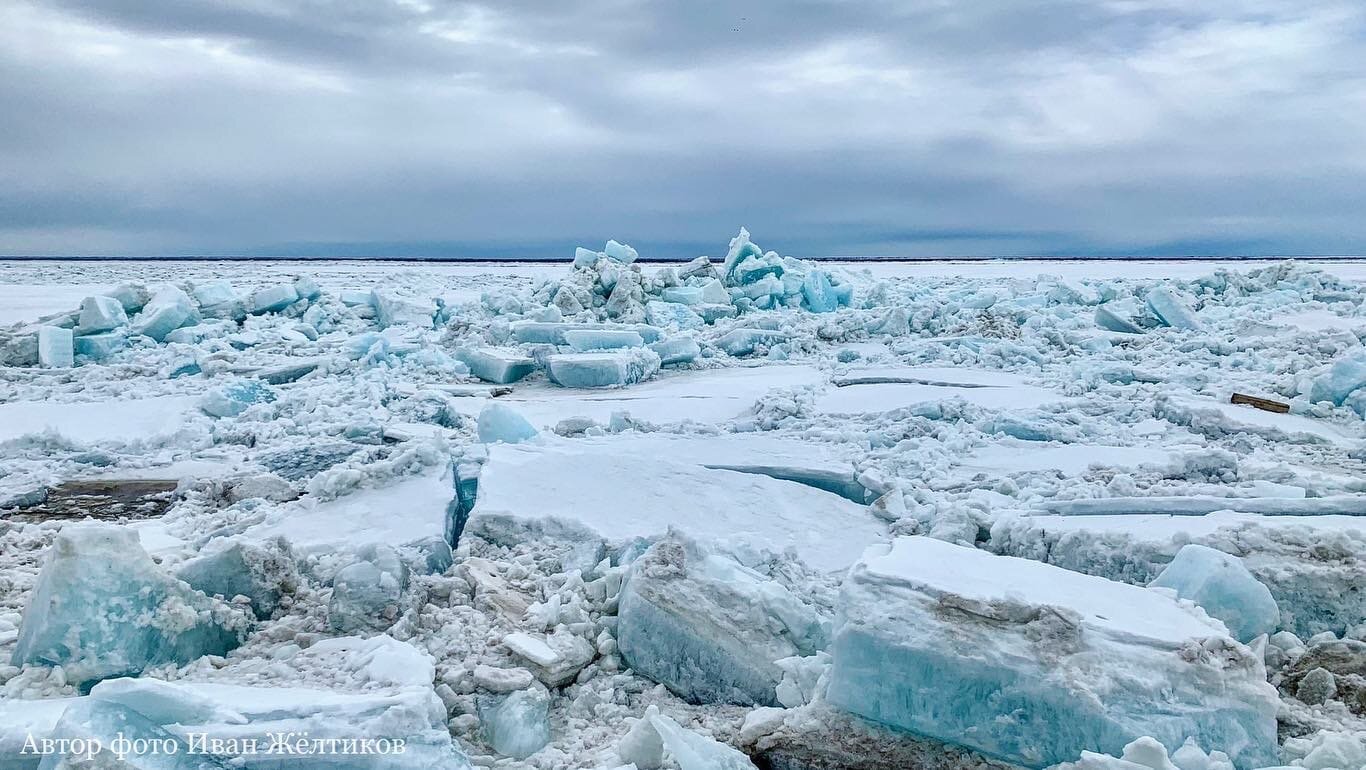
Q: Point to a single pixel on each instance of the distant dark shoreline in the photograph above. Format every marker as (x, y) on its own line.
(565, 260)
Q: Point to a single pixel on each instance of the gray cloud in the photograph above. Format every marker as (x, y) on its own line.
(425, 126)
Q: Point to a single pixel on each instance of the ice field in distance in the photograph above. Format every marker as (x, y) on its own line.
(747, 511)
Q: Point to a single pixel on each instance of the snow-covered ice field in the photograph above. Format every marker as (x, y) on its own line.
(749, 512)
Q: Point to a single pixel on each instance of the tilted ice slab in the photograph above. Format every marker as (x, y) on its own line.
(1309, 563)
(874, 390)
(402, 511)
(712, 396)
(583, 490)
(121, 421)
(708, 628)
(1033, 664)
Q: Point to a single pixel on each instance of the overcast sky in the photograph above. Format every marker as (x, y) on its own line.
(907, 127)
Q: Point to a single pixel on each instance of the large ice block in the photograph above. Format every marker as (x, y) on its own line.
(364, 598)
(1033, 664)
(100, 314)
(92, 733)
(741, 342)
(620, 252)
(100, 346)
(672, 315)
(169, 309)
(394, 309)
(1171, 309)
(1346, 375)
(56, 348)
(601, 370)
(708, 628)
(818, 295)
(1223, 587)
(516, 725)
(500, 367)
(683, 295)
(102, 608)
(499, 422)
(272, 299)
(257, 572)
(582, 340)
(677, 350)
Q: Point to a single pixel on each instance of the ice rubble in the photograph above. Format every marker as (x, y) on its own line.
(1044, 662)
(101, 608)
(1118, 413)
(1223, 587)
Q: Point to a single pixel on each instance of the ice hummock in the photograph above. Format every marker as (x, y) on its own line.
(709, 628)
(1034, 664)
(1223, 587)
(102, 608)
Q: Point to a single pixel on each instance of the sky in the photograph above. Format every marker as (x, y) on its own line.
(516, 128)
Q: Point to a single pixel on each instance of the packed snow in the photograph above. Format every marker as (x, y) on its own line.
(744, 512)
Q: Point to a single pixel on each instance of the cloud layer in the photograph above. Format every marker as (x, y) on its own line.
(911, 127)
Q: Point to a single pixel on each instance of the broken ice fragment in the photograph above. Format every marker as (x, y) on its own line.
(168, 310)
(516, 725)
(101, 608)
(683, 295)
(118, 730)
(582, 340)
(99, 347)
(55, 347)
(235, 398)
(620, 252)
(672, 315)
(601, 370)
(1115, 320)
(708, 628)
(272, 299)
(1032, 663)
(1346, 376)
(497, 366)
(1223, 587)
(676, 350)
(693, 751)
(499, 422)
(364, 598)
(100, 314)
(555, 658)
(818, 295)
(243, 569)
(1171, 309)
(392, 309)
(742, 342)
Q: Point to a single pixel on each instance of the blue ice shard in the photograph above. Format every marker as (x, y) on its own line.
(516, 725)
(500, 422)
(168, 310)
(708, 628)
(1224, 588)
(102, 608)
